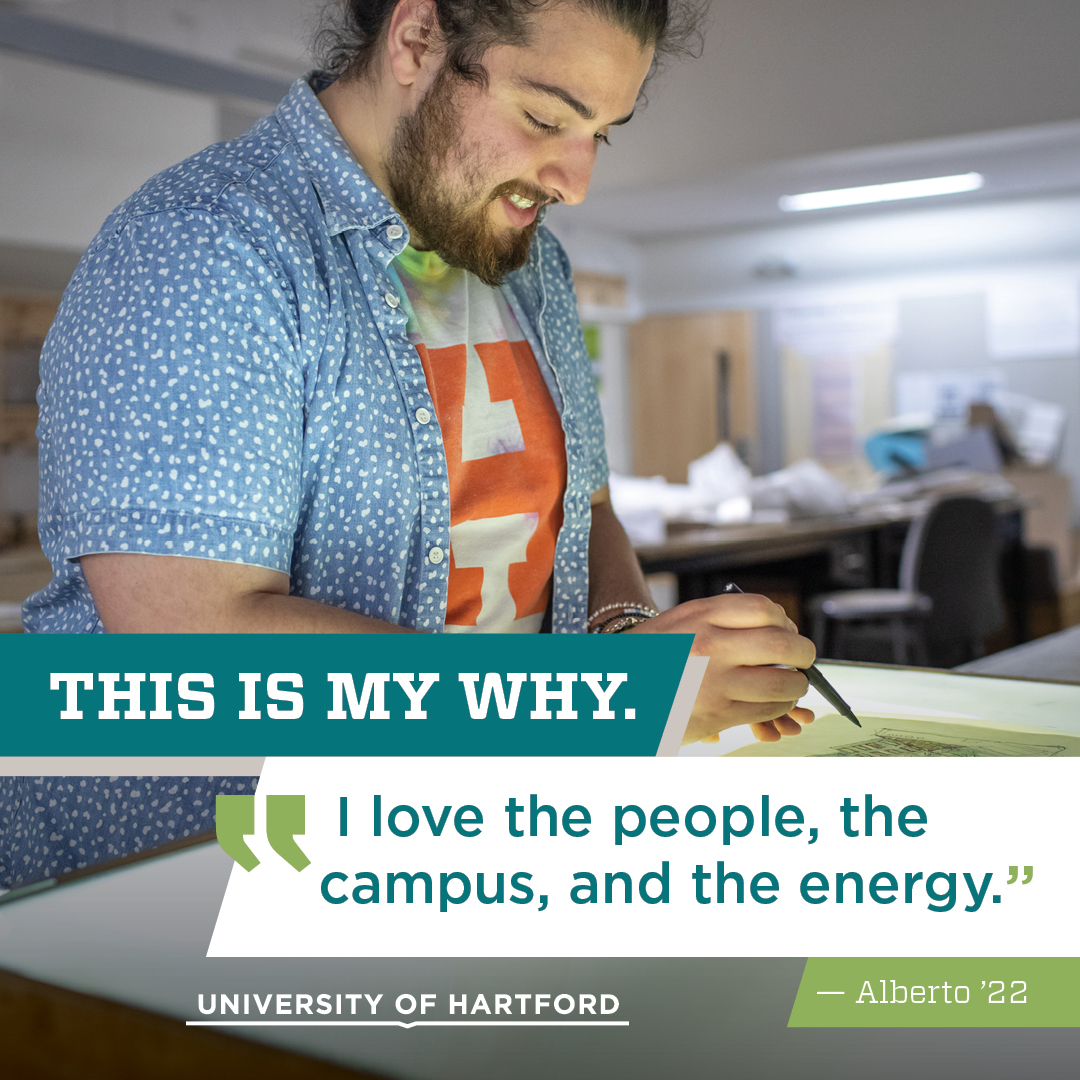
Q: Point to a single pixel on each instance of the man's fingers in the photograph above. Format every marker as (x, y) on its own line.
(741, 712)
(787, 726)
(757, 646)
(708, 719)
(764, 684)
(773, 730)
(755, 649)
(731, 611)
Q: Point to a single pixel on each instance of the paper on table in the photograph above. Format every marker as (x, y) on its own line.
(881, 736)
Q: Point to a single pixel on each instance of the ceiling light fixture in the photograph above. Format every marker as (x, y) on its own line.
(872, 193)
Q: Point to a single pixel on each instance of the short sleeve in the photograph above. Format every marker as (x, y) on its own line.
(172, 397)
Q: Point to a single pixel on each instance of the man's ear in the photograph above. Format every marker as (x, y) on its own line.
(412, 40)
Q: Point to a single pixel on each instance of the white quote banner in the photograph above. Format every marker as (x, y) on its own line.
(488, 857)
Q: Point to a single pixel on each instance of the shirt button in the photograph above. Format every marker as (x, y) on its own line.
(392, 299)
(394, 232)
(423, 416)
(435, 555)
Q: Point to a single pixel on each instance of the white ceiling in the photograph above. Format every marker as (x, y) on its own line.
(789, 95)
(1040, 159)
(783, 79)
(804, 95)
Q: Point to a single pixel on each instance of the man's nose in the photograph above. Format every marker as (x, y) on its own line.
(567, 175)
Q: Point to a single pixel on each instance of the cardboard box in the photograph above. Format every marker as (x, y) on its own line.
(1047, 515)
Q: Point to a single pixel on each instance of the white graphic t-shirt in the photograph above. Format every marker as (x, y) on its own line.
(504, 446)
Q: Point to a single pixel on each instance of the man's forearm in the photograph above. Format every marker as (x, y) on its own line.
(269, 613)
(161, 594)
(615, 575)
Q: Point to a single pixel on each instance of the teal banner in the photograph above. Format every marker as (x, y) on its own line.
(297, 695)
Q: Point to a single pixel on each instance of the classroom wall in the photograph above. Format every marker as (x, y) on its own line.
(936, 264)
(876, 250)
(948, 332)
(76, 144)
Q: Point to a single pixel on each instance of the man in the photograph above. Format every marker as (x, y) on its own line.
(329, 378)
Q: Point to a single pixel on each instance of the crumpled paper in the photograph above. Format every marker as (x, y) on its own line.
(721, 490)
(804, 489)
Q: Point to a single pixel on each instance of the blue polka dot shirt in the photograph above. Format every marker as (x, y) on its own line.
(229, 378)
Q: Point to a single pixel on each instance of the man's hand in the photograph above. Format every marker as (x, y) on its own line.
(745, 637)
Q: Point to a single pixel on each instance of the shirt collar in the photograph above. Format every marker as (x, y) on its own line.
(349, 199)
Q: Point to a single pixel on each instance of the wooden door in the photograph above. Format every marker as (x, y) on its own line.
(691, 386)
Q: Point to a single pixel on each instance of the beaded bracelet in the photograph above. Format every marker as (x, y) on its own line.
(623, 607)
(620, 623)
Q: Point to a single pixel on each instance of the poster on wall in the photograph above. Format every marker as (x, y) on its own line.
(836, 362)
(946, 395)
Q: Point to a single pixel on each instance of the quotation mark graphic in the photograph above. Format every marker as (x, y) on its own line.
(1014, 873)
(284, 822)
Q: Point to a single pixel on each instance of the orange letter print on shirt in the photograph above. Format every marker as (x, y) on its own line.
(507, 463)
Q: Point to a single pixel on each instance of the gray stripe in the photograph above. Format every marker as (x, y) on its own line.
(68, 44)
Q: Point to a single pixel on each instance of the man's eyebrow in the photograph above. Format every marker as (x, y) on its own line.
(566, 98)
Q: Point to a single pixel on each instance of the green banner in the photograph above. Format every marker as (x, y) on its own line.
(287, 695)
(924, 992)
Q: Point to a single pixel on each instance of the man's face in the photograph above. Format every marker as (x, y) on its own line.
(470, 168)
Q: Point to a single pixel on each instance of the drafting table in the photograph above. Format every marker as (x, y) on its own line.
(1055, 657)
(102, 936)
(889, 690)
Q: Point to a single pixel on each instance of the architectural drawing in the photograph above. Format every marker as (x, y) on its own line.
(895, 742)
(882, 736)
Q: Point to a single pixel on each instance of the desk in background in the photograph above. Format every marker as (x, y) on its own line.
(798, 559)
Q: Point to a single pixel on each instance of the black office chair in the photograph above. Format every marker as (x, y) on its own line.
(949, 597)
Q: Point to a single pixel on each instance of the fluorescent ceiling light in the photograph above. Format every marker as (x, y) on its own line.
(872, 193)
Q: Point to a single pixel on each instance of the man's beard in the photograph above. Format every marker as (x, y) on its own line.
(453, 222)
